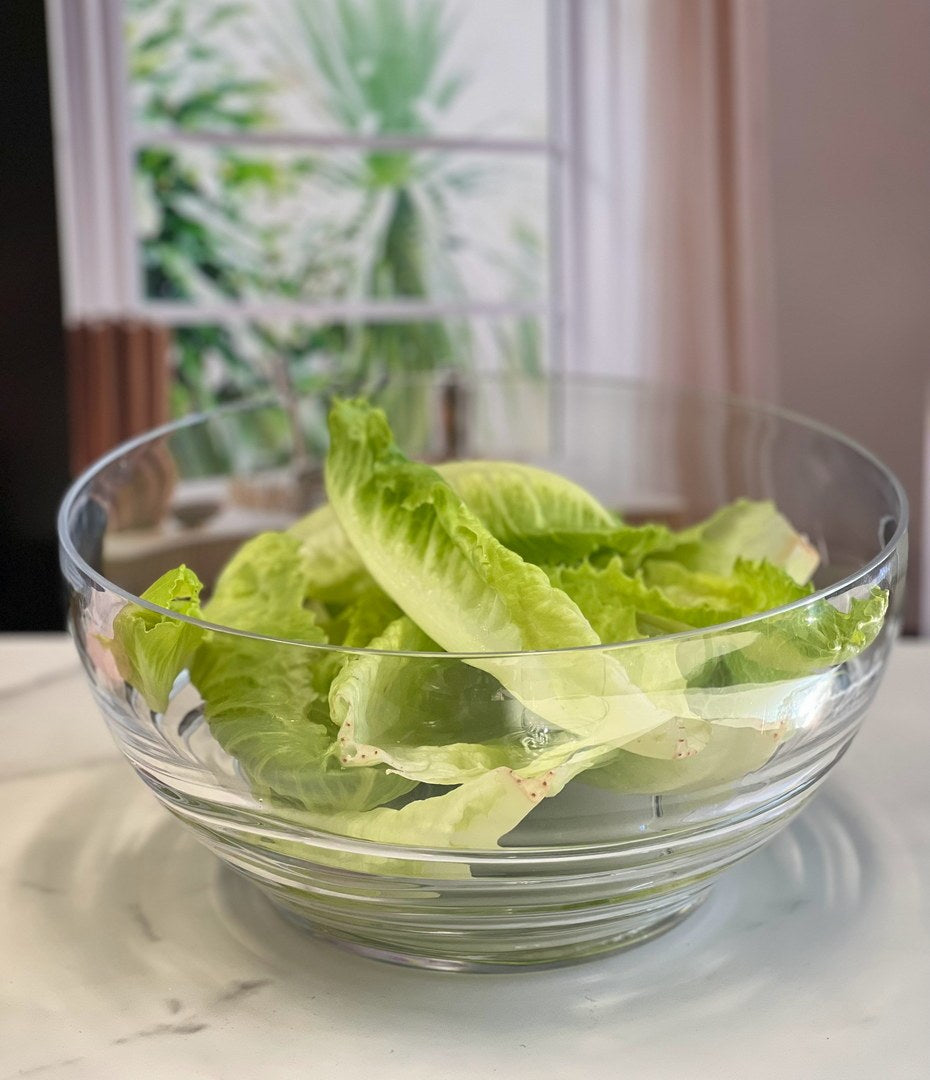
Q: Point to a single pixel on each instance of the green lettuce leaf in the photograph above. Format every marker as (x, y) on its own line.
(608, 597)
(666, 597)
(703, 599)
(261, 590)
(754, 532)
(727, 754)
(538, 514)
(469, 593)
(433, 719)
(335, 573)
(471, 817)
(411, 560)
(152, 649)
(432, 555)
(793, 644)
(358, 623)
(260, 696)
(739, 730)
(748, 589)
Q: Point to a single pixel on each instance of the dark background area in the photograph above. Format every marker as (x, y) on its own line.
(33, 423)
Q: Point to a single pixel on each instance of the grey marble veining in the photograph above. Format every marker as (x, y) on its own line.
(129, 952)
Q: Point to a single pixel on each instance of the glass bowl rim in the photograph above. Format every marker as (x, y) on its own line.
(729, 401)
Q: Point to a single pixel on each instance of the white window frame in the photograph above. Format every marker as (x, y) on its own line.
(96, 144)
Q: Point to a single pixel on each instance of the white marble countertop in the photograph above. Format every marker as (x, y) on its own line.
(126, 951)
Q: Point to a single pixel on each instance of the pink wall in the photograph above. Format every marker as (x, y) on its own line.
(850, 100)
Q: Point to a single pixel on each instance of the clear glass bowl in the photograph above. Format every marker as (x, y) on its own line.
(614, 858)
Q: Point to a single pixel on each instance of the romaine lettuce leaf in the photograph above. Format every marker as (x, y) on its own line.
(388, 504)
(355, 626)
(739, 730)
(728, 753)
(752, 531)
(365, 618)
(431, 554)
(749, 588)
(665, 597)
(151, 649)
(260, 590)
(608, 597)
(259, 696)
(469, 593)
(335, 573)
(814, 638)
(538, 514)
(408, 559)
(471, 817)
(433, 719)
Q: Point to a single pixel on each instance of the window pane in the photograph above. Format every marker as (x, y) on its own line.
(412, 67)
(216, 224)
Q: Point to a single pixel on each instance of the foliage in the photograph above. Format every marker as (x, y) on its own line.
(375, 68)
(378, 68)
(194, 243)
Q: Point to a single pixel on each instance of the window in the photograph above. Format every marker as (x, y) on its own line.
(320, 188)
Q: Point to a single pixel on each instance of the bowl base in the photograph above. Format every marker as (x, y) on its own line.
(622, 932)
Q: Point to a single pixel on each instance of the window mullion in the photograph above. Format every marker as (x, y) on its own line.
(100, 201)
(122, 163)
(575, 203)
(62, 40)
(304, 140)
(382, 311)
(557, 247)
